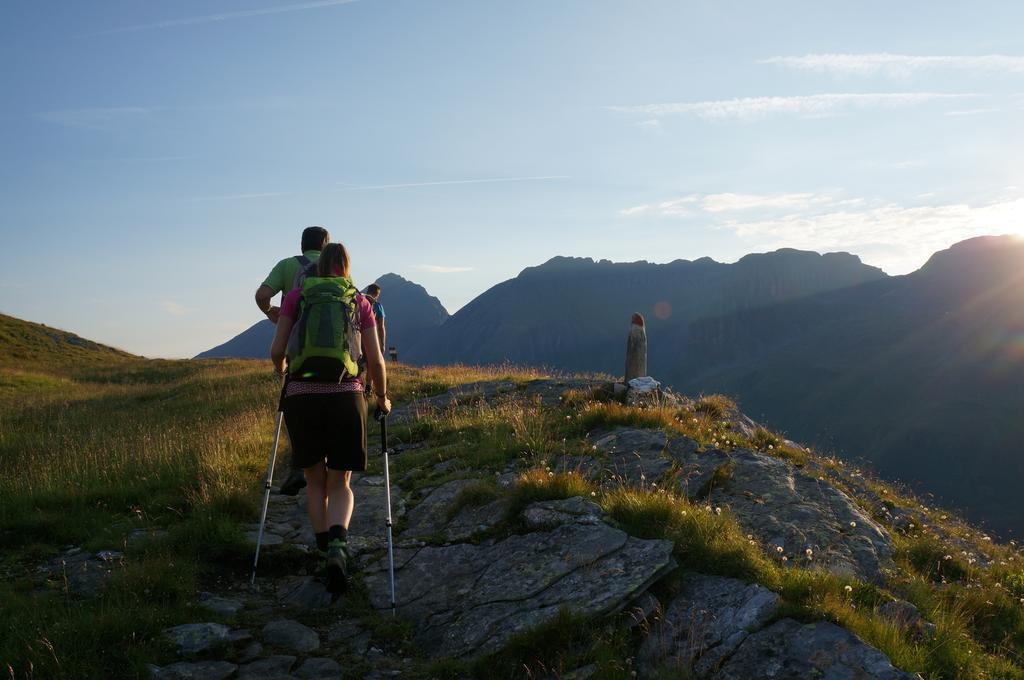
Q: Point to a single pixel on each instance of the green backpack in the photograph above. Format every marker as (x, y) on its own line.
(324, 345)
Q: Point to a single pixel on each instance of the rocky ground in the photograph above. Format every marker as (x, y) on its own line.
(464, 589)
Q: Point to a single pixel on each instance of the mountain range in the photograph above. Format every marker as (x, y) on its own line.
(922, 375)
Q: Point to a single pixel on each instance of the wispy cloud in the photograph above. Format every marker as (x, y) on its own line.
(896, 237)
(728, 202)
(902, 236)
(225, 16)
(173, 308)
(897, 65)
(94, 118)
(240, 197)
(972, 112)
(442, 269)
(751, 108)
(350, 187)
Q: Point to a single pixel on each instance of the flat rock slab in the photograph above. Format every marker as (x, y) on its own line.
(291, 635)
(640, 457)
(773, 500)
(789, 650)
(225, 606)
(636, 457)
(468, 599)
(268, 539)
(273, 666)
(705, 623)
(200, 670)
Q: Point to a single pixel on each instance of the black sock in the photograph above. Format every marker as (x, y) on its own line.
(321, 541)
(338, 532)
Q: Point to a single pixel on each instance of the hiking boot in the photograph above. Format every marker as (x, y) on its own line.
(337, 566)
(295, 482)
(321, 563)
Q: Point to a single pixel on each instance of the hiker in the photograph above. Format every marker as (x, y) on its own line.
(324, 406)
(373, 295)
(286, 275)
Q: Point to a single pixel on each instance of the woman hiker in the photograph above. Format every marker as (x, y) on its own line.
(321, 329)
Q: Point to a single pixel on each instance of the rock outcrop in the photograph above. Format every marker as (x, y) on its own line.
(809, 518)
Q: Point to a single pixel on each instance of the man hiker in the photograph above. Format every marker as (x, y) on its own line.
(287, 274)
(373, 295)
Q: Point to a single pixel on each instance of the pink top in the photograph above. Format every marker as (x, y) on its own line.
(366, 319)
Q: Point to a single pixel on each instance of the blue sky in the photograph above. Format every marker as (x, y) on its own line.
(160, 156)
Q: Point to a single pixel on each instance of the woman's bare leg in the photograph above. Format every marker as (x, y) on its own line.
(340, 499)
(316, 496)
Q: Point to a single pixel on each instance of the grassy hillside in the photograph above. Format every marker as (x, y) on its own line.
(30, 346)
(175, 451)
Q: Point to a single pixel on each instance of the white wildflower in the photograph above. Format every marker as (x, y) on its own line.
(848, 589)
(853, 525)
(778, 549)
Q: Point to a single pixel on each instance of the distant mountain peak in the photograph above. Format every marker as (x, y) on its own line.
(982, 256)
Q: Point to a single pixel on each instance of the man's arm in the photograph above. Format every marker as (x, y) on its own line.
(274, 284)
(263, 296)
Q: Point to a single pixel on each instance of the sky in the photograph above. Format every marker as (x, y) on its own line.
(161, 156)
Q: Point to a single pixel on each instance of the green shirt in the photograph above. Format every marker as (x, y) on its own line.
(283, 273)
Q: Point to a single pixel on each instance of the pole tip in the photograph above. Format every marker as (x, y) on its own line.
(638, 319)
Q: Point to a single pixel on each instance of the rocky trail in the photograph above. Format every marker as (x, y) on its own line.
(470, 580)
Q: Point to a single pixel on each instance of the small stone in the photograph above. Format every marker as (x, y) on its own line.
(201, 670)
(291, 635)
(314, 669)
(583, 673)
(272, 666)
(902, 613)
(193, 638)
(110, 555)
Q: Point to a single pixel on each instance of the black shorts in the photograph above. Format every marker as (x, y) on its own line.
(329, 427)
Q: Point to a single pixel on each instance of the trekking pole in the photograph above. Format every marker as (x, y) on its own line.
(383, 419)
(269, 479)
